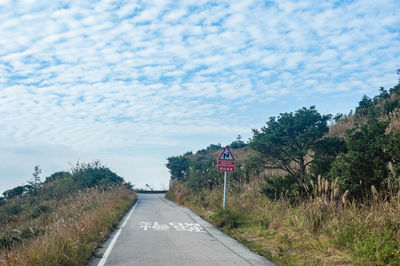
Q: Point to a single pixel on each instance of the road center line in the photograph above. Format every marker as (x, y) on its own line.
(114, 240)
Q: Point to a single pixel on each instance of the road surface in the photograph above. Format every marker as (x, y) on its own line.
(158, 232)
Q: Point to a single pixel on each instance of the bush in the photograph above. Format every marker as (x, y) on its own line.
(38, 210)
(325, 153)
(238, 143)
(90, 175)
(365, 106)
(178, 167)
(57, 176)
(369, 246)
(393, 150)
(195, 181)
(286, 187)
(228, 218)
(365, 163)
(14, 193)
(13, 209)
(202, 151)
(214, 147)
(390, 106)
(58, 188)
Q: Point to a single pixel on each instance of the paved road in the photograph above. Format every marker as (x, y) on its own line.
(158, 232)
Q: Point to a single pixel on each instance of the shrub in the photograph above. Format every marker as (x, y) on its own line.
(365, 106)
(214, 147)
(325, 153)
(238, 143)
(390, 106)
(286, 187)
(228, 218)
(369, 246)
(14, 193)
(90, 177)
(57, 176)
(13, 209)
(178, 166)
(38, 210)
(365, 163)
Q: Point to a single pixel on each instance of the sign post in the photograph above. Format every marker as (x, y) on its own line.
(226, 163)
(224, 190)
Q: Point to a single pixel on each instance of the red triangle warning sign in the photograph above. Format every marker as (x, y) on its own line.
(226, 155)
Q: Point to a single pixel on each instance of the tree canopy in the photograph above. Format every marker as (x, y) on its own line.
(365, 163)
(177, 166)
(285, 141)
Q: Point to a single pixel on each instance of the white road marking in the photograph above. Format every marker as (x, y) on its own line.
(145, 225)
(191, 227)
(155, 226)
(114, 240)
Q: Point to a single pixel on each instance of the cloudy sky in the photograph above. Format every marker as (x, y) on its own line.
(133, 82)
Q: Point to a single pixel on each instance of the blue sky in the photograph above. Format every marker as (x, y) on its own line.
(133, 82)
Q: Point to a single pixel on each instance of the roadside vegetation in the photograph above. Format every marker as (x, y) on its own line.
(64, 219)
(308, 188)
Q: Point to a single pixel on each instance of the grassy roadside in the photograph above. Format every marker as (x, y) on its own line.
(320, 231)
(66, 231)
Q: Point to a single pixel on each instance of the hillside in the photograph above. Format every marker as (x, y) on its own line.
(308, 188)
(62, 220)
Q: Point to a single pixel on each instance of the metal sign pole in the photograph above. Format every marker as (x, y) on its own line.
(224, 189)
(226, 163)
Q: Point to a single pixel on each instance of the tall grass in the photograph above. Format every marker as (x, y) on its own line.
(394, 125)
(326, 229)
(65, 231)
(339, 129)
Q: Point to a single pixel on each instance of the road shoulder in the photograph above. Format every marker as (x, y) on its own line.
(230, 243)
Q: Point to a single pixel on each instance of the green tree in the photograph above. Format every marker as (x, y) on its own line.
(14, 192)
(325, 152)
(365, 106)
(214, 147)
(92, 176)
(238, 143)
(365, 163)
(393, 150)
(251, 168)
(178, 167)
(57, 176)
(282, 187)
(339, 117)
(286, 140)
(202, 173)
(35, 182)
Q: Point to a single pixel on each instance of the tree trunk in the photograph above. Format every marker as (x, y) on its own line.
(302, 168)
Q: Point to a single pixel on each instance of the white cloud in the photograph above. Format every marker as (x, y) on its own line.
(96, 75)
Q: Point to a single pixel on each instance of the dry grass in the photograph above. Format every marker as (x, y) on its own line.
(339, 129)
(326, 229)
(394, 125)
(70, 233)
